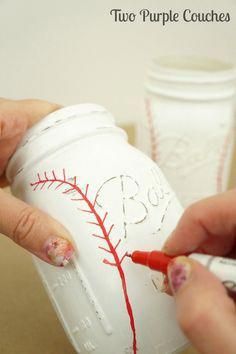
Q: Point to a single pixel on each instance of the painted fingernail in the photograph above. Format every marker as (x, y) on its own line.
(179, 271)
(59, 251)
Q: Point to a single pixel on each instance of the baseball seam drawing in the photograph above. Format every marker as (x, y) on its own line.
(100, 222)
(152, 131)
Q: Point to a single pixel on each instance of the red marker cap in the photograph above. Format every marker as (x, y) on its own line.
(155, 260)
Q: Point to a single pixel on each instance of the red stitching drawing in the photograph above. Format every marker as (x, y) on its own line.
(152, 131)
(99, 221)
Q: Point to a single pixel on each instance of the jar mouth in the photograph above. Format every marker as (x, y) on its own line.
(191, 69)
(61, 117)
(58, 129)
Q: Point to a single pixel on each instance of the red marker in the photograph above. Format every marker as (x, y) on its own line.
(155, 260)
(223, 268)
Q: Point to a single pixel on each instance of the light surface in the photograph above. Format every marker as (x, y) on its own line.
(73, 52)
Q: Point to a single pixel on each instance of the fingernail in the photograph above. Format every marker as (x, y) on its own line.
(165, 248)
(179, 271)
(165, 285)
(59, 251)
(170, 250)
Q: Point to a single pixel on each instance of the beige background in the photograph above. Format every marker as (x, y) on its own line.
(72, 51)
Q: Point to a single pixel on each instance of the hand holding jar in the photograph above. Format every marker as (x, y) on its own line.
(27, 226)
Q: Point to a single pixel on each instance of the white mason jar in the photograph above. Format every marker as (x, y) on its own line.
(189, 124)
(77, 166)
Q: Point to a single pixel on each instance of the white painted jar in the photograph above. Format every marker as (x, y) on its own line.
(189, 124)
(77, 166)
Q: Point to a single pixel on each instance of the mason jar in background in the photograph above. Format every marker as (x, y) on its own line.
(189, 124)
(77, 166)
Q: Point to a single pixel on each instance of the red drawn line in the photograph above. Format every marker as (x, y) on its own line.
(117, 244)
(104, 249)
(105, 237)
(98, 236)
(104, 218)
(152, 131)
(220, 171)
(109, 263)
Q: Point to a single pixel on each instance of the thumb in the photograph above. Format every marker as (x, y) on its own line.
(15, 118)
(34, 230)
(205, 312)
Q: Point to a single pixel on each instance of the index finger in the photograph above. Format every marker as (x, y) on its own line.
(34, 110)
(208, 226)
(28, 110)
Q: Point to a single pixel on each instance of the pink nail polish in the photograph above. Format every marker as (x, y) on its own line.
(59, 251)
(178, 272)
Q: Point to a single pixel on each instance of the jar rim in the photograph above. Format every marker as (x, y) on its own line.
(193, 69)
(70, 124)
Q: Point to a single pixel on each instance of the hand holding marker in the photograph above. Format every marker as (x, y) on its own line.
(204, 311)
(223, 268)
